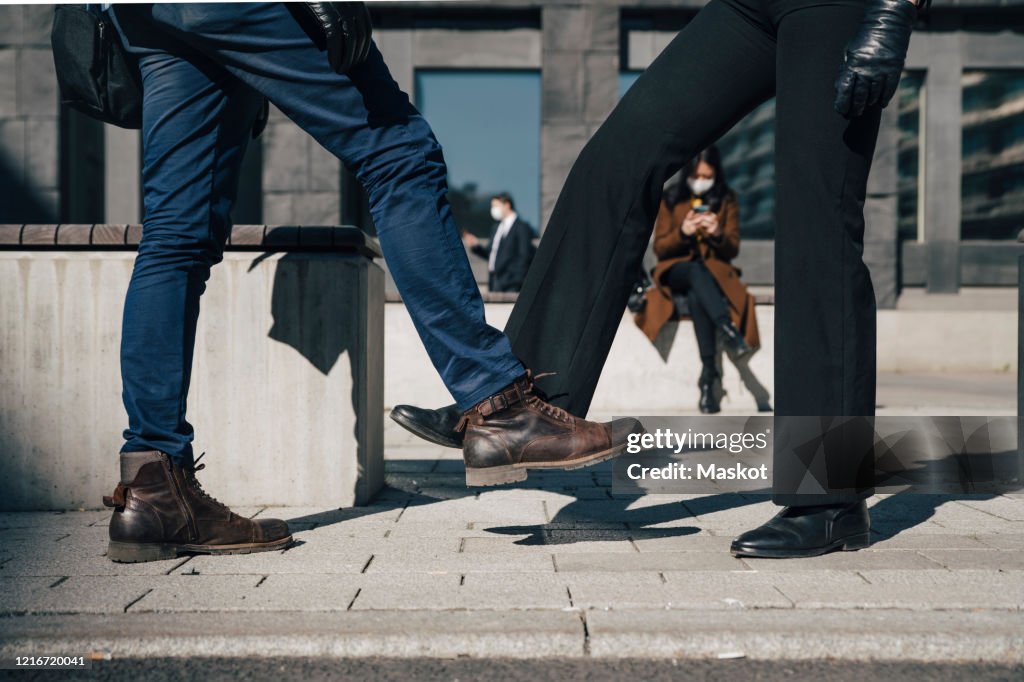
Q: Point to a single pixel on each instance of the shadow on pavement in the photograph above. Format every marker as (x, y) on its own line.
(593, 514)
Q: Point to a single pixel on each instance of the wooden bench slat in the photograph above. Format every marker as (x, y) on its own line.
(247, 235)
(316, 236)
(281, 237)
(42, 235)
(10, 235)
(104, 235)
(326, 238)
(74, 235)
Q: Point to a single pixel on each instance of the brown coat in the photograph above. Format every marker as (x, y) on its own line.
(671, 247)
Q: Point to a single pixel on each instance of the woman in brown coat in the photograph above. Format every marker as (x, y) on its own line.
(696, 236)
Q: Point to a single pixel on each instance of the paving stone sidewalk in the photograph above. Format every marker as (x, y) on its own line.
(553, 567)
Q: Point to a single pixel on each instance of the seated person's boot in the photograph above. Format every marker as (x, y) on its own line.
(735, 344)
(808, 531)
(516, 430)
(161, 511)
(709, 403)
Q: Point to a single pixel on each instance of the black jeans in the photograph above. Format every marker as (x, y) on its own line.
(707, 305)
(734, 55)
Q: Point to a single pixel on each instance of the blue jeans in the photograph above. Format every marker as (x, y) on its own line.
(205, 70)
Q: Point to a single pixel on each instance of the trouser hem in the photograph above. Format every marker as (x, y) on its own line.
(834, 499)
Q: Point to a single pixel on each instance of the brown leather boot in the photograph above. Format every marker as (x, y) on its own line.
(161, 511)
(515, 430)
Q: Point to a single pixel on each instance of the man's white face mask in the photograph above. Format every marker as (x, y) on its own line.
(700, 186)
(496, 213)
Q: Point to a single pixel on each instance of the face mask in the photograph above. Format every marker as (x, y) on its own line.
(497, 213)
(701, 185)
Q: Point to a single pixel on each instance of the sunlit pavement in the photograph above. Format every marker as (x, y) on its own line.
(555, 568)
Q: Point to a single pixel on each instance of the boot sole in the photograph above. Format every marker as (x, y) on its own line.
(515, 473)
(138, 552)
(848, 544)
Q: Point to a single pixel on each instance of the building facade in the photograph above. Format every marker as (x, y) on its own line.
(515, 89)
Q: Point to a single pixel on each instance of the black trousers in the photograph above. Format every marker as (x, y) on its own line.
(708, 309)
(734, 55)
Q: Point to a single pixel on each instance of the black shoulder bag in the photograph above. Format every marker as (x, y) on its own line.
(95, 73)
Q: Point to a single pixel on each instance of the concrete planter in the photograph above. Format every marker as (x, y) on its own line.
(287, 389)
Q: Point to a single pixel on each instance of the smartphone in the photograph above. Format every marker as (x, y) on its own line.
(703, 208)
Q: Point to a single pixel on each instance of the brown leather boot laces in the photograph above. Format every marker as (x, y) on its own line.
(547, 408)
(535, 396)
(197, 488)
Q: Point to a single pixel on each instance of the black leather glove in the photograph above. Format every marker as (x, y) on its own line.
(342, 29)
(875, 57)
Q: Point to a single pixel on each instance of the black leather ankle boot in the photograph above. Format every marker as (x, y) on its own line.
(734, 342)
(708, 403)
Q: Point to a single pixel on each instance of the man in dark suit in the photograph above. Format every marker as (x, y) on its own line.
(510, 251)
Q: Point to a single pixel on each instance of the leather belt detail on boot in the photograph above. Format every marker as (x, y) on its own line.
(161, 511)
(515, 430)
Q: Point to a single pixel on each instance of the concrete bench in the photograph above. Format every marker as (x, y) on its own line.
(286, 420)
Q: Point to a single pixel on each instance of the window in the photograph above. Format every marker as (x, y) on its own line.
(908, 165)
(992, 154)
(626, 80)
(82, 170)
(748, 152)
(488, 122)
(748, 158)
